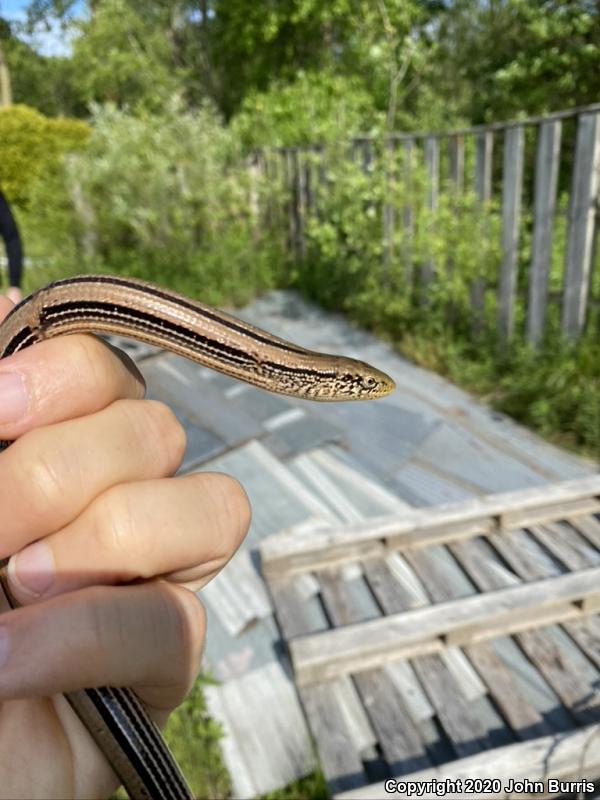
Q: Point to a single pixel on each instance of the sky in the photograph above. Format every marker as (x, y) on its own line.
(49, 43)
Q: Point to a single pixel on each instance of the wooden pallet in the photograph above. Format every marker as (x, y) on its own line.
(432, 642)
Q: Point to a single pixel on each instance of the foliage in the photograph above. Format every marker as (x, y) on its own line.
(30, 144)
(194, 739)
(45, 83)
(317, 107)
(312, 787)
(500, 59)
(166, 197)
(347, 266)
(124, 57)
(261, 45)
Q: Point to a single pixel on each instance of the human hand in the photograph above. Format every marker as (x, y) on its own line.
(14, 294)
(88, 479)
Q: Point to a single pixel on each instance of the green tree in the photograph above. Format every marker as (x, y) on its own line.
(379, 42)
(123, 57)
(503, 57)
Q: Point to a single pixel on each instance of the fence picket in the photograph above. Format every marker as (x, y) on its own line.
(408, 214)
(512, 190)
(546, 180)
(456, 161)
(484, 145)
(432, 166)
(305, 180)
(581, 224)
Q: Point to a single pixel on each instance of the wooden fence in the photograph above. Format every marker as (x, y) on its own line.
(526, 178)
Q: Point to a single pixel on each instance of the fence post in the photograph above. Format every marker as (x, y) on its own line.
(432, 167)
(546, 180)
(512, 190)
(408, 215)
(456, 177)
(456, 162)
(580, 235)
(484, 145)
(389, 155)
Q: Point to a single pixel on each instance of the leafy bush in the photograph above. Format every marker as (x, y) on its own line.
(315, 107)
(30, 144)
(168, 198)
(344, 264)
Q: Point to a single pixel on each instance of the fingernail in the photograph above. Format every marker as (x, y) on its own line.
(32, 570)
(4, 646)
(14, 398)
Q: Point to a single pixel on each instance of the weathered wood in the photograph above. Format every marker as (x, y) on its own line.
(564, 756)
(428, 630)
(408, 213)
(459, 666)
(484, 143)
(294, 551)
(431, 573)
(390, 593)
(398, 736)
(521, 561)
(294, 613)
(578, 695)
(584, 191)
(300, 201)
(586, 632)
(406, 682)
(566, 545)
(341, 763)
(464, 729)
(529, 516)
(361, 731)
(546, 181)
(290, 187)
(432, 168)
(456, 180)
(389, 209)
(346, 601)
(522, 717)
(589, 527)
(512, 190)
(576, 692)
(456, 162)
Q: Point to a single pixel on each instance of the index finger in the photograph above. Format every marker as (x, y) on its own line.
(60, 379)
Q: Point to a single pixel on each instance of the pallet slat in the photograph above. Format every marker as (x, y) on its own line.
(291, 552)
(427, 630)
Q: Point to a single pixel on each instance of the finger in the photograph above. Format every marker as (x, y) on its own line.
(148, 637)
(60, 379)
(5, 306)
(189, 526)
(49, 475)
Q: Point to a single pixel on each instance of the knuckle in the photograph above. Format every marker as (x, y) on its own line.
(157, 428)
(114, 523)
(43, 474)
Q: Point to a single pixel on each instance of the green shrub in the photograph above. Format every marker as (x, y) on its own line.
(30, 144)
(316, 107)
(168, 198)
